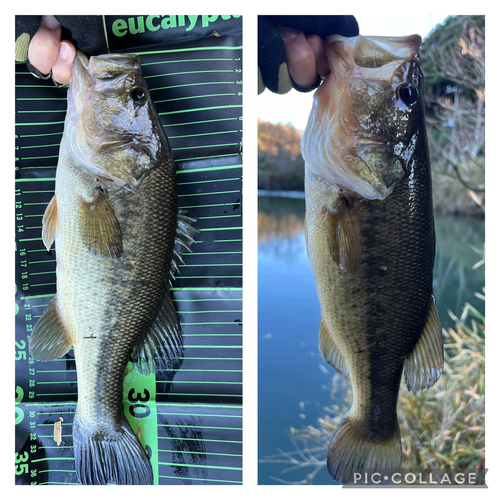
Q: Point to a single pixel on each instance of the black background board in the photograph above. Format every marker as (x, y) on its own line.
(196, 83)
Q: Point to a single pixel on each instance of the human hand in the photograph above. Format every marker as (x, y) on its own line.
(305, 55)
(50, 55)
(291, 53)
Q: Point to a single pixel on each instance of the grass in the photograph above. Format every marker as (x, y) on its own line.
(441, 427)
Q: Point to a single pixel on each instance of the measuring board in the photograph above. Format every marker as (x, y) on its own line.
(190, 417)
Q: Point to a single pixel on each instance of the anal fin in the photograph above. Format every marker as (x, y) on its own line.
(49, 339)
(343, 240)
(424, 364)
(329, 350)
(101, 233)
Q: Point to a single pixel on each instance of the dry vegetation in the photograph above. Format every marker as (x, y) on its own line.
(444, 426)
(456, 116)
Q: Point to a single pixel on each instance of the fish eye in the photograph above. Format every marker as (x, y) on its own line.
(138, 95)
(408, 93)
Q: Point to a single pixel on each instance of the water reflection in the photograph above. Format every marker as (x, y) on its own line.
(281, 227)
(280, 217)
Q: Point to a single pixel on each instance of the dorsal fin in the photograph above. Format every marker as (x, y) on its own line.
(183, 241)
(162, 346)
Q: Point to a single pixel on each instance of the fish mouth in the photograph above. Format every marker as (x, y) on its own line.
(80, 69)
(82, 58)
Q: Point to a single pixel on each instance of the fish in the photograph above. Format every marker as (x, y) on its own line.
(370, 238)
(119, 236)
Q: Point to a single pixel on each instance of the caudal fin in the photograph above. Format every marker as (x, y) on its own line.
(101, 458)
(350, 452)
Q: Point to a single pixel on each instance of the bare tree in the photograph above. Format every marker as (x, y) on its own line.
(458, 117)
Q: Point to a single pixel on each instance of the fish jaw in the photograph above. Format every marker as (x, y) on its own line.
(112, 129)
(360, 129)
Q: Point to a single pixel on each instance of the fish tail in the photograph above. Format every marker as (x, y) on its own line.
(102, 458)
(351, 452)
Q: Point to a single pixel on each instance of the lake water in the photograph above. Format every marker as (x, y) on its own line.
(294, 382)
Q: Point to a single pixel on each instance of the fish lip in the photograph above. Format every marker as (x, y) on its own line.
(80, 68)
(82, 58)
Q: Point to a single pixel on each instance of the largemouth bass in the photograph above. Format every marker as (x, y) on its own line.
(370, 240)
(119, 239)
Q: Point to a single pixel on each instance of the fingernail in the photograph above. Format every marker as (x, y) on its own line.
(287, 33)
(65, 51)
(50, 21)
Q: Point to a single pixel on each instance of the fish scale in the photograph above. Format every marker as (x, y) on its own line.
(370, 240)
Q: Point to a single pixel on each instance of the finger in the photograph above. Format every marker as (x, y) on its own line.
(318, 48)
(62, 69)
(301, 59)
(43, 49)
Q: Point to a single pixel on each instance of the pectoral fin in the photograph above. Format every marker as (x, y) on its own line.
(49, 223)
(49, 339)
(329, 350)
(101, 232)
(424, 365)
(343, 240)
